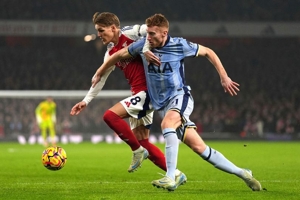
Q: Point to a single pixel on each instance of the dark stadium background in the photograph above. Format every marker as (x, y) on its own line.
(265, 64)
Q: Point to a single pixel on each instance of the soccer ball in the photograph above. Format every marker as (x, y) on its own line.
(54, 158)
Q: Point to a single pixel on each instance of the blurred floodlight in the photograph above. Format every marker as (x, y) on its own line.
(88, 38)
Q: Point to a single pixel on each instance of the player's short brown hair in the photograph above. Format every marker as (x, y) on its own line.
(157, 20)
(106, 19)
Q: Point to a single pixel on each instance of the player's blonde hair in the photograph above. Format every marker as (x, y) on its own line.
(157, 20)
(106, 19)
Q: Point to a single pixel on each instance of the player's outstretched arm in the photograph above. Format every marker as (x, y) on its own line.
(229, 86)
(121, 54)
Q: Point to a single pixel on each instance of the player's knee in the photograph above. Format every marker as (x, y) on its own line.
(171, 121)
(166, 123)
(109, 116)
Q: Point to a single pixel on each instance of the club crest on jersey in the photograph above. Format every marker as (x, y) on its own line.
(166, 68)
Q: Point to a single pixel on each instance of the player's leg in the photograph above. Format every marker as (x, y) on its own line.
(142, 132)
(217, 159)
(192, 139)
(140, 128)
(114, 117)
(52, 132)
(168, 125)
(171, 115)
(188, 134)
(136, 106)
(43, 129)
(195, 142)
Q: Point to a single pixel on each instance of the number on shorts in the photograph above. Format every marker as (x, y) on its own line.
(135, 100)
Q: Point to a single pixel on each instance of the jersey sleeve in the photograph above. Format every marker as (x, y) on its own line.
(135, 32)
(136, 48)
(92, 93)
(189, 48)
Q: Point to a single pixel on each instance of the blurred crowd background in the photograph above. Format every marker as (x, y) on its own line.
(192, 10)
(267, 69)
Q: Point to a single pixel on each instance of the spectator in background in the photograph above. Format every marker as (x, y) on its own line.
(264, 97)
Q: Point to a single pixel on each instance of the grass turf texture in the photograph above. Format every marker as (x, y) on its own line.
(99, 171)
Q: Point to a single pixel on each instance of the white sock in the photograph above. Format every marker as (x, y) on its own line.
(139, 149)
(177, 172)
(219, 161)
(171, 151)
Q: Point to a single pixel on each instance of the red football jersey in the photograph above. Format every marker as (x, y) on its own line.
(132, 67)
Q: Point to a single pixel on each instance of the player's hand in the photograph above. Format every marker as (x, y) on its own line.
(230, 86)
(96, 78)
(78, 108)
(151, 58)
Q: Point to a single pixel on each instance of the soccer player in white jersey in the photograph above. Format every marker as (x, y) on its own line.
(172, 98)
(136, 107)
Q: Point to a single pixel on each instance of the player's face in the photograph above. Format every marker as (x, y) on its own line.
(106, 33)
(49, 99)
(156, 36)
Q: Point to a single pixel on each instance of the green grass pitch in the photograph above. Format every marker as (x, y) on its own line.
(99, 171)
